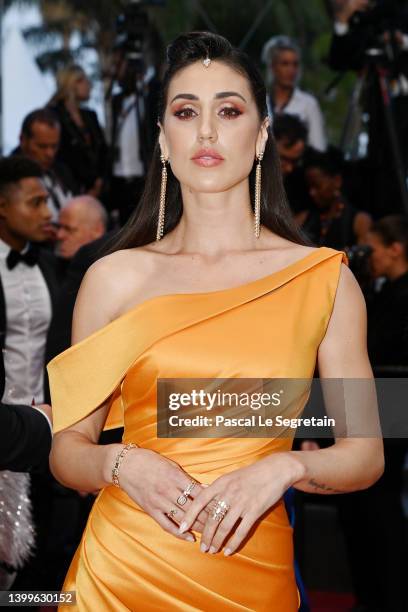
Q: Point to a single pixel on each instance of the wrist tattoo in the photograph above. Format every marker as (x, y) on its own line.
(320, 486)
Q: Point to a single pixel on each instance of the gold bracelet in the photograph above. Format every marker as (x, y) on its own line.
(118, 461)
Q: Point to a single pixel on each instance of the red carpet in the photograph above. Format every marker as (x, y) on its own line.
(330, 602)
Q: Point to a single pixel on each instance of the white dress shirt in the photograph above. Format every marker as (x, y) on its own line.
(307, 108)
(28, 316)
(129, 163)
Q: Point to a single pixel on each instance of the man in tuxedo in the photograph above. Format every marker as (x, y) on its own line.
(28, 286)
(28, 295)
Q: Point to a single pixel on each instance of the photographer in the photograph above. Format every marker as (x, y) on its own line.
(370, 37)
(133, 132)
(360, 24)
(133, 98)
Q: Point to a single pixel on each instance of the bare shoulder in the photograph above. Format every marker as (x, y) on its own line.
(105, 287)
(345, 340)
(349, 306)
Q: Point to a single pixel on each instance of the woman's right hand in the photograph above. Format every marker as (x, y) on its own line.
(155, 482)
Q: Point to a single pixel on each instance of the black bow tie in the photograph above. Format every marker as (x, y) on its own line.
(30, 258)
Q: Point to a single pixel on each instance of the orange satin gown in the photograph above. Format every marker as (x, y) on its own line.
(270, 327)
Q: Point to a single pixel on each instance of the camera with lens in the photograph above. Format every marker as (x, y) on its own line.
(382, 16)
(131, 27)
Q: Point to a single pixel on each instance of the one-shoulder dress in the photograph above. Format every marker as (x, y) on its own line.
(271, 328)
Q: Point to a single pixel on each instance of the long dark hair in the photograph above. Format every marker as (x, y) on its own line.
(276, 215)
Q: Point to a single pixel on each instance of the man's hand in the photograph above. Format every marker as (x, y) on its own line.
(345, 9)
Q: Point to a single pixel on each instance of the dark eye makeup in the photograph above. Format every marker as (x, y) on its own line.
(228, 112)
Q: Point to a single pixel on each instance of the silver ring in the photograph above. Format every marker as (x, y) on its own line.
(219, 510)
(190, 487)
(183, 498)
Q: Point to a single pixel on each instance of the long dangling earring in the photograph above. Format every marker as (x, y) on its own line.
(257, 207)
(162, 208)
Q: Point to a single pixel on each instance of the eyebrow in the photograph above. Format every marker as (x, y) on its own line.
(38, 197)
(218, 96)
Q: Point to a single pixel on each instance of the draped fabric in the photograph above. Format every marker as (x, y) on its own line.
(267, 328)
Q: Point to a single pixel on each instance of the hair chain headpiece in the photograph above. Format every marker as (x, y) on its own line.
(207, 61)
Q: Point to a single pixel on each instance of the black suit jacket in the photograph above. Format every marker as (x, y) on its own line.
(59, 335)
(47, 265)
(84, 151)
(25, 439)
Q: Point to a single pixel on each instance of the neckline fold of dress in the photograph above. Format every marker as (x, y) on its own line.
(86, 375)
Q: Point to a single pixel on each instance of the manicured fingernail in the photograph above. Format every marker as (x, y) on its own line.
(182, 528)
(227, 552)
(190, 537)
(212, 549)
(203, 547)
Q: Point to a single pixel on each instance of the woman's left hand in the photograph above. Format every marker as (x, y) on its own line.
(249, 493)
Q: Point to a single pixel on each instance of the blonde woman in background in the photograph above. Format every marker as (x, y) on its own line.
(83, 148)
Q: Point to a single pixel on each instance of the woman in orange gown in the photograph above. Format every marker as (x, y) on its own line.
(229, 289)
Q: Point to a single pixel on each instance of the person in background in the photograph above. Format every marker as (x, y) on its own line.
(83, 220)
(333, 222)
(361, 24)
(282, 57)
(388, 307)
(28, 295)
(134, 132)
(373, 520)
(39, 140)
(291, 137)
(371, 38)
(28, 286)
(83, 148)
